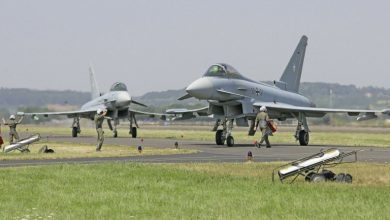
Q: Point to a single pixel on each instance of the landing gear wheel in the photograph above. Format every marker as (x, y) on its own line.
(348, 178)
(303, 138)
(308, 176)
(339, 177)
(134, 132)
(115, 134)
(343, 178)
(329, 175)
(230, 141)
(74, 132)
(218, 137)
(317, 178)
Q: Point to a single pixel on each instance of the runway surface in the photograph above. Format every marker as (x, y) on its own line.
(209, 152)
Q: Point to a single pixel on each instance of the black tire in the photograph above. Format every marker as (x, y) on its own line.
(74, 132)
(343, 178)
(230, 141)
(115, 134)
(329, 175)
(134, 132)
(348, 178)
(339, 177)
(308, 176)
(218, 137)
(303, 138)
(317, 178)
(49, 151)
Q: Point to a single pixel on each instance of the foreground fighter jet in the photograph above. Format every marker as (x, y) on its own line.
(233, 97)
(117, 102)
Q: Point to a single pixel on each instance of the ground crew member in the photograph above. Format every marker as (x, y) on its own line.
(262, 119)
(99, 118)
(12, 123)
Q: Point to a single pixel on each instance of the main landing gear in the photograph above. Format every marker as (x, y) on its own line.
(76, 127)
(224, 134)
(113, 128)
(302, 131)
(133, 130)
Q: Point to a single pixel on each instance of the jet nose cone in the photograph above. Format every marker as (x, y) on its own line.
(202, 88)
(123, 99)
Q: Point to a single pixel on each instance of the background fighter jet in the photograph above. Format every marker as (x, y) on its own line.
(117, 102)
(233, 97)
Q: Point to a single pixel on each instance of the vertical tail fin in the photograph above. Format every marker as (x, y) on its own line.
(292, 74)
(94, 87)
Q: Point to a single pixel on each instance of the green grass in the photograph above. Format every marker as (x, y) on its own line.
(188, 191)
(77, 150)
(343, 138)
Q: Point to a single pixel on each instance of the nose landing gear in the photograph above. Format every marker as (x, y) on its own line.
(133, 129)
(222, 135)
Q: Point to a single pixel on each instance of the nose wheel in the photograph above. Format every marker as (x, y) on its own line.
(74, 132)
(133, 129)
(219, 140)
(224, 134)
(133, 132)
(230, 141)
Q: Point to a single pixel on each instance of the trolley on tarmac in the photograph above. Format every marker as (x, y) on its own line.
(314, 168)
(22, 145)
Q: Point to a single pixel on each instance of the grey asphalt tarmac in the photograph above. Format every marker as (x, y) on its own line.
(209, 152)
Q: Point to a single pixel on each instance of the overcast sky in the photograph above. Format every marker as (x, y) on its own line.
(165, 44)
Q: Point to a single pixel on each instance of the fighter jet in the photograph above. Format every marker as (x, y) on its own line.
(117, 102)
(233, 97)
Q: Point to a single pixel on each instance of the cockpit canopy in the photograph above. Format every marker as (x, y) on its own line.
(118, 87)
(223, 70)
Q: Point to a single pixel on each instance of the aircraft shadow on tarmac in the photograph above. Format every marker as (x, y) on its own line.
(252, 145)
(191, 143)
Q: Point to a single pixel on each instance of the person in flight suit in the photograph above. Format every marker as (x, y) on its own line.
(99, 119)
(12, 123)
(262, 120)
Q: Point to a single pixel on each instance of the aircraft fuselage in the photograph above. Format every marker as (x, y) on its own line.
(236, 96)
(118, 100)
(117, 104)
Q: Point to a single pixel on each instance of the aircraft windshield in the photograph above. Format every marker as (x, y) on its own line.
(118, 87)
(223, 70)
(215, 70)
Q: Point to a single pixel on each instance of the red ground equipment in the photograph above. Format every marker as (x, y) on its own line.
(272, 125)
